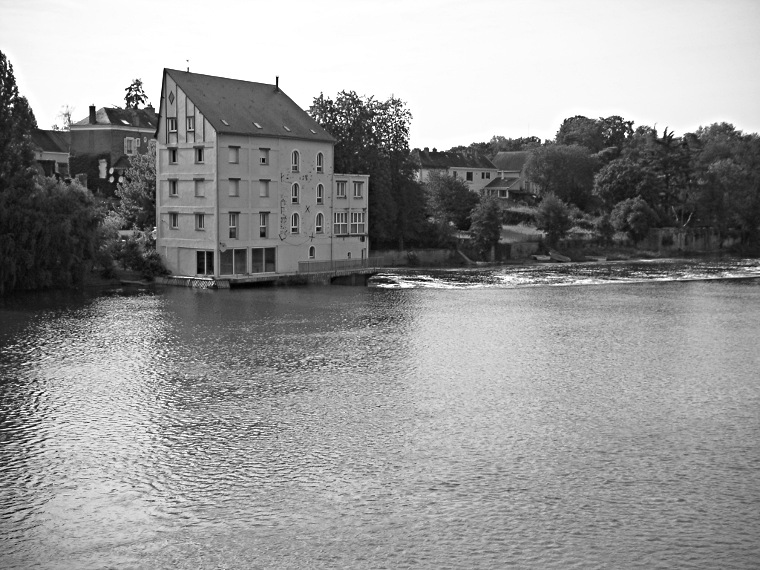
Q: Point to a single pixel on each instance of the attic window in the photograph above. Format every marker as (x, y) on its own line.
(258, 126)
(125, 122)
(313, 131)
(225, 122)
(286, 128)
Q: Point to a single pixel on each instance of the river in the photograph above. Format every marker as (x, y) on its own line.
(551, 416)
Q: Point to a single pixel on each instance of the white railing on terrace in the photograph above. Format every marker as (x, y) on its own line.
(339, 265)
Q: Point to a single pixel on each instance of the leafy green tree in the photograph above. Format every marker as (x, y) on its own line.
(634, 217)
(47, 229)
(137, 194)
(622, 179)
(581, 131)
(486, 224)
(373, 138)
(16, 125)
(595, 134)
(565, 171)
(553, 216)
(48, 235)
(604, 229)
(135, 95)
(449, 200)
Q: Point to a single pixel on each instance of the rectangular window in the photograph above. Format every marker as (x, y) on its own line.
(205, 262)
(340, 223)
(129, 146)
(172, 156)
(199, 154)
(174, 220)
(200, 222)
(455, 174)
(234, 154)
(137, 142)
(171, 124)
(357, 222)
(263, 223)
(234, 186)
(200, 189)
(232, 262)
(358, 189)
(191, 123)
(340, 191)
(469, 177)
(502, 193)
(234, 219)
(264, 188)
(488, 176)
(173, 187)
(263, 260)
(263, 156)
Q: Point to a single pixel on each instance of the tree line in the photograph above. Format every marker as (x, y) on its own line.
(603, 172)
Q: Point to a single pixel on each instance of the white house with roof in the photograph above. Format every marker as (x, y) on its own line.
(245, 182)
(512, 181)
(475, 170)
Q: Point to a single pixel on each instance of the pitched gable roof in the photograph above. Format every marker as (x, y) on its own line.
(435, 159)
(51, 141)
(511, 161)
(139, 118)
(234, 106)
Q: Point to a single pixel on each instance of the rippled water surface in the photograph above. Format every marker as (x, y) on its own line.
(481, 419)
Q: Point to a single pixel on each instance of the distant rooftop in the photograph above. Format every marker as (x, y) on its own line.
(51, 141)
(434, 159)
(141, 118)
(511, 161)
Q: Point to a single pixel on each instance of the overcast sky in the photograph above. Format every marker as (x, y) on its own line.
(467, 70)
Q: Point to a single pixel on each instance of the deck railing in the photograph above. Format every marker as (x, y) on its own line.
(339, 265)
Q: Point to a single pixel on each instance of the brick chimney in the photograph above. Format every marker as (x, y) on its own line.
(92, 115)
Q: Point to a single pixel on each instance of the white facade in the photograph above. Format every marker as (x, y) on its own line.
(231, 204)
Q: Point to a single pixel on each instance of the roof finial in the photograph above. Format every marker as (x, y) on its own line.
(277, 83)
(188, 65)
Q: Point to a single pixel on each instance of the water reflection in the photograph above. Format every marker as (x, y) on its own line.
(383, 427)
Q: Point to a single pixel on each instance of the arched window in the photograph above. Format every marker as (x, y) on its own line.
(319, 225)
(295, 161)
(320, 162)
(312, 252)
(295, 223)
(320, 194)
(294, 191)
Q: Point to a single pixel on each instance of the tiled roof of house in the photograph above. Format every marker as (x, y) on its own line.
(51, 141)
(504, 183)
(243, 107)
(140, 118)
(511, 161)
(440, 160)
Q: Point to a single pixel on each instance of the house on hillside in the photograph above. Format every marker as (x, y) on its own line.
(51, 152)
(102, 143)
(475, 170)
(245, 182)
(512, 182)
